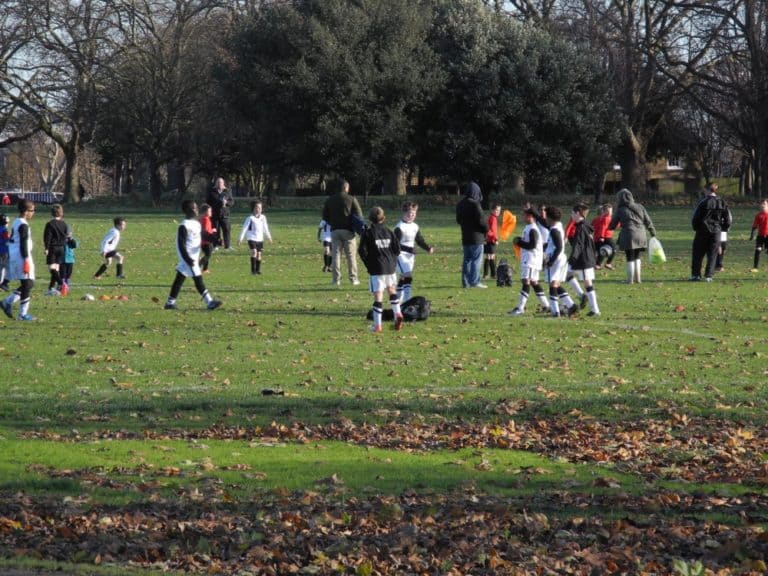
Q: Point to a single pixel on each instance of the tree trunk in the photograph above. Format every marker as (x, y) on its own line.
(760, 165)
(129, 176)
(632, 161)
(598, 188)
(394, 182)
(286, 183)
(155, 182)
(117, 178)
(72, 177)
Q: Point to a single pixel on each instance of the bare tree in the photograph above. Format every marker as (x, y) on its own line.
(14, 38)
(155, 94)
(723, 58)
(628, 36)
(55, 78)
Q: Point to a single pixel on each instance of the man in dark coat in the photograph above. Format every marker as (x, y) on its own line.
(342, 211)
(221, 202)
(708, 219)
(474, 225)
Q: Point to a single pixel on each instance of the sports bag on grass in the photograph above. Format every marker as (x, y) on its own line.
(656, 251)
(503, 273)
(416, 308)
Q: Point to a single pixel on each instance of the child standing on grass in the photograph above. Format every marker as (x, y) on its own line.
(255, 230)
(4, 236)
(68, 264)
(570, 277)
(583, 255)
(188, 242)
(21, 266)
(379, 250)
(760, 225)
(409, 236)
(324, 236)
(209, 236)
(109, 249)
(531, 259)
(54, 239)
(603, 238)
(491, 242)
(557, 265)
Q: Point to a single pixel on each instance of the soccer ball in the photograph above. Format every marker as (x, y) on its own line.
(606, 251)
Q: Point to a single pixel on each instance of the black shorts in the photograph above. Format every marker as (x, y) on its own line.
(55, 255)
(761, 242)
(253, 245)
(489, 248)
(111, 254)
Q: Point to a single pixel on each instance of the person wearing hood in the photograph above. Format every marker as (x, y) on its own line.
(634, 221)
(474, 226)
(709, 218)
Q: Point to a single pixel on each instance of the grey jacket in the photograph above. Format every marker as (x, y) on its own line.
(634, 221)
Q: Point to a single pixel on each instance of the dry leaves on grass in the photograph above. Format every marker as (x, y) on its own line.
(679, 448)
(286, 532)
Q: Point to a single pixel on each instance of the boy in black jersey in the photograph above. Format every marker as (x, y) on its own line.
(54, 239)
(379, 249)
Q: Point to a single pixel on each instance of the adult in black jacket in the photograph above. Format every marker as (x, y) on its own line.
(474, 225)
(708, 219)
(221, 202)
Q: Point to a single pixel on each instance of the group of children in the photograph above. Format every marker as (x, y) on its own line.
(542, 249)
(389, 255)
(59, 243)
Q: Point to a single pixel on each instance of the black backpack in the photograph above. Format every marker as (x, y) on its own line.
(416, 308)
(503, 273)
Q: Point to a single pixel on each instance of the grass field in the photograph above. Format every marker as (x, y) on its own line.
(278, 435)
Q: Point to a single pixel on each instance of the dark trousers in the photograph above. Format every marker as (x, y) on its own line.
(704, 244)
(224, 230)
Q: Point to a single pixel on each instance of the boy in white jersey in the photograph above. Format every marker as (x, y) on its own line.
(188, 241)
(557, 265)
(408, 234)
(531, 259)
(21, 267)
(109, 249)
(324, 236)
(255, 230)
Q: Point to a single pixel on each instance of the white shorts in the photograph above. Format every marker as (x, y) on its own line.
(16, 269)
(586, 275)
(558, 271)
(189, 271)
(381, 282)
(528, 273)
(405, 263)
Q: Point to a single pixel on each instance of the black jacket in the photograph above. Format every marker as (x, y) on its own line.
(220, 203)
(469, 215)
(583, 253)
(379, 249)
(711, 215)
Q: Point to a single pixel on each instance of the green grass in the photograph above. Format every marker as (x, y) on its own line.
(129, 364)
(82, 386)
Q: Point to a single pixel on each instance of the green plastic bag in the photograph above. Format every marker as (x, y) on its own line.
(656, 251)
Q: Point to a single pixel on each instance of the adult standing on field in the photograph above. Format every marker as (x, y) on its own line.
(340, 211)
(634, 221)
(221, 202)
(474, 226)
(709, 217)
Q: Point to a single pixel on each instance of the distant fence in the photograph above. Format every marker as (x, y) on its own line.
(36, 197)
